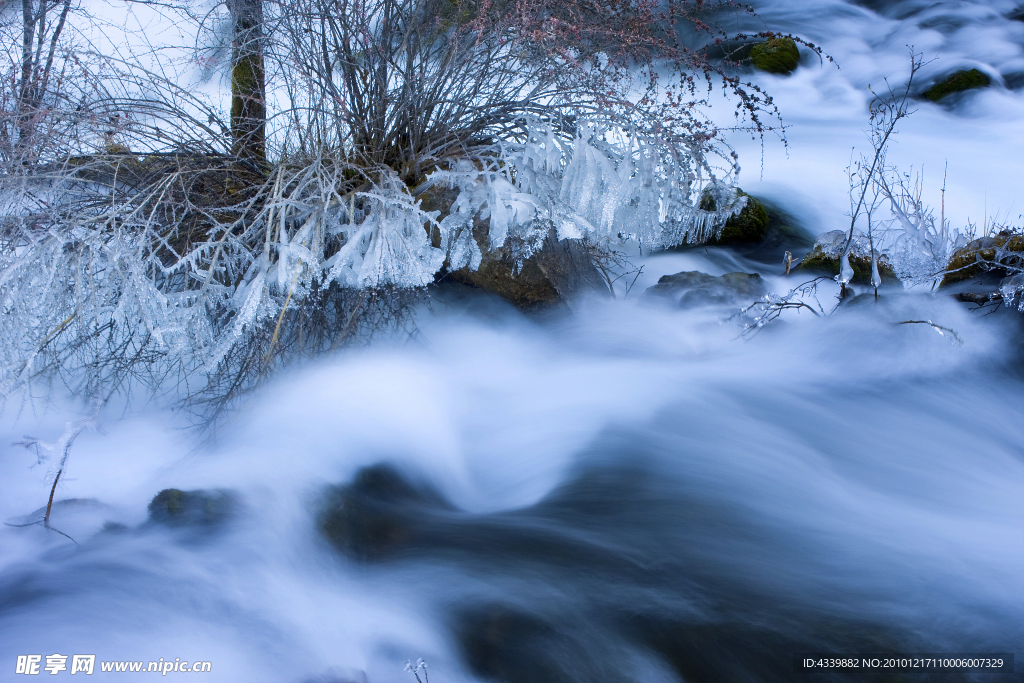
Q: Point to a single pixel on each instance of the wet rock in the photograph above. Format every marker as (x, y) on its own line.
(174, 507)
(777, 56)
(960, 81)
(526, 289)
(749, 225)
(978, 298)
(693, 288)
(555, 273)
(995, 254)
(608, 578)
(824, 257)
(378, 515)
(501, 643)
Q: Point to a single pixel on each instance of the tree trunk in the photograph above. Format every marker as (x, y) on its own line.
(248, 82)
(26, 87)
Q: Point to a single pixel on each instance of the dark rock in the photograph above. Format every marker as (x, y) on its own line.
(824, 258)
(175, 507)
(378, 515)
(526, 289)
(554, 274)
(957, 82)
(995, 254)
(693, 288)
(777, 56)
(978, 298)
(617, 559)
(1014, 80)
(749, 225)
(503, 644)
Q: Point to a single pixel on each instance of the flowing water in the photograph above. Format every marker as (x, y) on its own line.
(626, 492)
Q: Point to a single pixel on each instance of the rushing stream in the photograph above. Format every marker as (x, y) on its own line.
(624, 492)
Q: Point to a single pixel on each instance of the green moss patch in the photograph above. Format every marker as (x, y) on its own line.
(958, 82)
(749, 225)
(175, 507)
(985, 254)
(776, 56)
(819, 262)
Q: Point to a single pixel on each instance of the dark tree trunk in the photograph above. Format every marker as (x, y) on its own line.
(248, 82)
(26, 89)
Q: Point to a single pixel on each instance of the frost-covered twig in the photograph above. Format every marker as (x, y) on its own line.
(886, 112)
(770, 306)
(63, 445)
(943, 331)
(416, 668)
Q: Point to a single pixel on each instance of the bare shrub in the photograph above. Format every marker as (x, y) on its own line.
(146, 240)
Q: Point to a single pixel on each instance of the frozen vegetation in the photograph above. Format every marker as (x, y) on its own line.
(340, 338)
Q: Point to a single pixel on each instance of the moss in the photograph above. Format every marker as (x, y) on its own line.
(776, 56)
(248, 108)
(379, 514)
(529, 288)
(819, 262)
(958, 82)
(749, 225)
(987, 253)
(175, 507)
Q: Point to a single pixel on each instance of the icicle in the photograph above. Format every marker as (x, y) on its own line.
(845, 269)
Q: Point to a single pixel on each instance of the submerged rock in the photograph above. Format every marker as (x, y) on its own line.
(960, 81)
(824, 257)
(379, 514)
(994, 253)
(175, 507)
(777, 56)
(694, 288)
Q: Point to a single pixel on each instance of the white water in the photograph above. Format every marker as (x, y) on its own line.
(618, 473)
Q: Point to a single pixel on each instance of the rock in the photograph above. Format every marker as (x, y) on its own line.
(692, 288)
(749, 225)
(993, 253)
(828, 248)
(978, 298)
(379, 514)
(777, 56)
(529, 288)
(175, 507)
(501, 643)
(957, 82)
(556, 274)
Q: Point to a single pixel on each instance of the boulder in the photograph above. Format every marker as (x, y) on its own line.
(824, 257)
(174, 507)
(748, 226)
(380, 514)
(554, 274)
(528, 288)
(967, 79)
(993, 253)
(690, 289)
(777, 55)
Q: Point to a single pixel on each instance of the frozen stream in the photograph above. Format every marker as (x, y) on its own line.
(628, 492)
